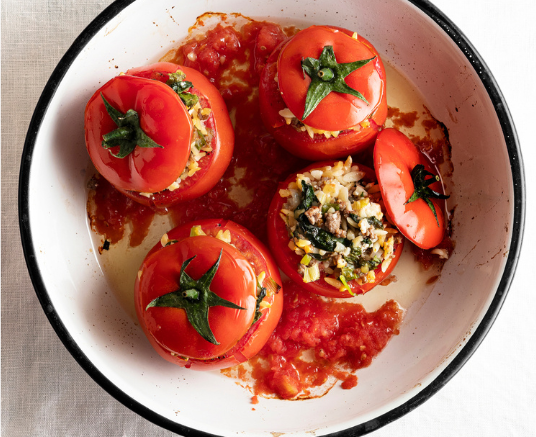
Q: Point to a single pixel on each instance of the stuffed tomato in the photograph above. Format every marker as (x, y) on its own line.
(208, 295)
(328, 232)
(160, 134)
(323, 93)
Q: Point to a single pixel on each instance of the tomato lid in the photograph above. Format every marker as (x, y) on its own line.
(159, 71)
(233, 284)
(336, 111)
(162, 117)
(395, 156)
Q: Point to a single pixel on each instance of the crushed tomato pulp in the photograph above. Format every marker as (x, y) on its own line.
(318, 340)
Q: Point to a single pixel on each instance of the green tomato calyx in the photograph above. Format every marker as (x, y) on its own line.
(327, 76)
(195, 297)
(128, 134)
(422, 191)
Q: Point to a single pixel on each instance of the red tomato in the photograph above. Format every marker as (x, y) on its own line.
(162, 116)
(395, 156)
(336, 112)
(213, 165)
(288, 261)
(168, 329)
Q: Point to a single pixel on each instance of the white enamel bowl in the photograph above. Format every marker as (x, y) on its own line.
(436, 338)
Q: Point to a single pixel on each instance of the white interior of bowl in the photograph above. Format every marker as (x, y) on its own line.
(432, 334)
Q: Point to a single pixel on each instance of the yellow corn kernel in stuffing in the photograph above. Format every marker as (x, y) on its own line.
(224, 236)
(164, 240)
(264, 304)
(329, 189)
(197, 231)
(302, 243)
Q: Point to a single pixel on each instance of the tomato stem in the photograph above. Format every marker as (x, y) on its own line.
(422, 191)
(192, 294)
(121, 133)
(327, 76)
(128, 135)
(195, 297)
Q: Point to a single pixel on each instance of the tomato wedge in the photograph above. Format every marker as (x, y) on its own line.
(243, 259)
(395, 156)
(284, 86)
(162, 117)
(289, 261)
(213, 165)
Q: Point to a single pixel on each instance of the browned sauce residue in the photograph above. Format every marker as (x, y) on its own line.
(110, 213)
(398, 118)
(433, 279)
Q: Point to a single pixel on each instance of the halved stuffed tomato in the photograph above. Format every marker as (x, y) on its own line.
(411, 189)
(205, 132)
(323, 93)
(208, 295)
(328, 232)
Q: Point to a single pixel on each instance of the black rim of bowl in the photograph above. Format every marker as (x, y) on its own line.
(514, 153)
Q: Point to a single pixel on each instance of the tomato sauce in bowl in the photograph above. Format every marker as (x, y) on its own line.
(319, 341)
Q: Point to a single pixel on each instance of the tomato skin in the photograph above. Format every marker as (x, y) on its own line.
(163, 117)
(288, 261)
(169, 326)
(394, 158)
(327, 115)
(213, 166)
(336, 111)
(252, 339)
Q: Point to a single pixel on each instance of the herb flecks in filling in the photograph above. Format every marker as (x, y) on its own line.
(180, 86)
(266, 288)
(336, 225)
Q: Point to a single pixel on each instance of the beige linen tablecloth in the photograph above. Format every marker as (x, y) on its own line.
(46, 393)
